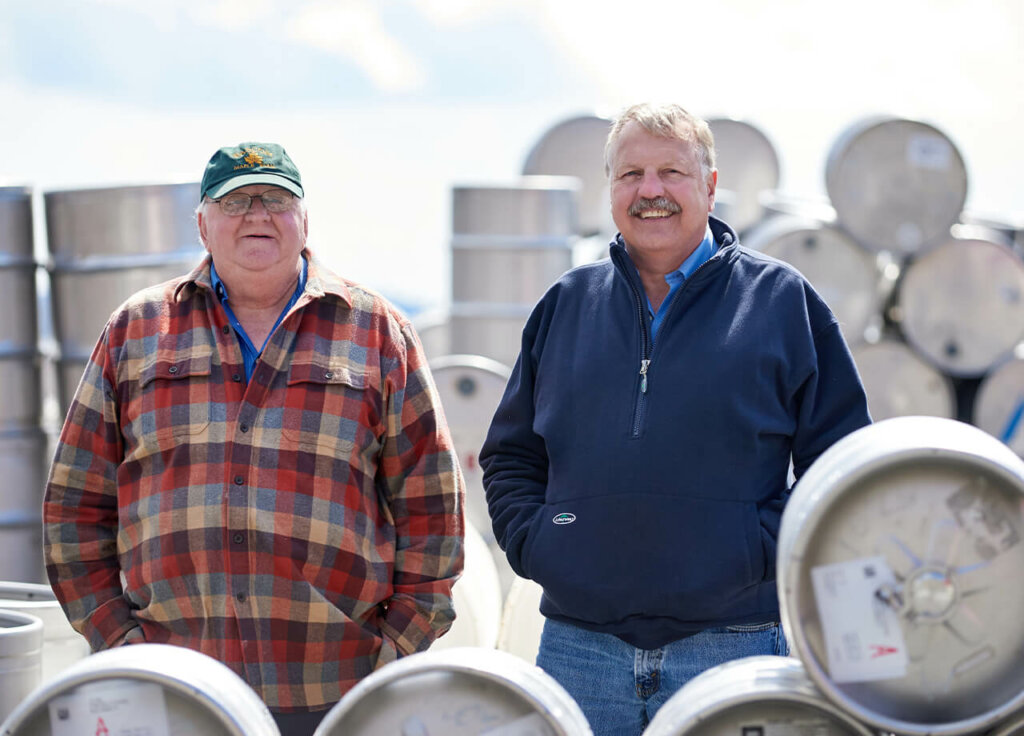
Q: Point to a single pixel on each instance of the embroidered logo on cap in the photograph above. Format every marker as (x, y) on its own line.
(254, 156)
(564, 518)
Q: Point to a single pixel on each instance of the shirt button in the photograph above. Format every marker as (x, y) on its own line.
(235, 377)
(173, 369)
(244, 427)
(329, 375)
(237, 539)
(239, 480)
(226, 329)
(240, 597)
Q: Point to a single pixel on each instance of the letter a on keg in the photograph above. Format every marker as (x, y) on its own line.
(101, 728)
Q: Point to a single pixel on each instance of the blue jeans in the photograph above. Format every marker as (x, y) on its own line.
(620, 688)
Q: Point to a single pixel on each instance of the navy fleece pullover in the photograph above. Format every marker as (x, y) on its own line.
(642, 485)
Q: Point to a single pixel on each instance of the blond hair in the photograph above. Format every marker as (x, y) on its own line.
(668, 121)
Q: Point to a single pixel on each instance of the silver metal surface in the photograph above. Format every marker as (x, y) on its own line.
(132, 220)
(843, 273)
(24, 456)
(522, 623)
(748, 164)
(896, 184)
(16, 242)
(21, 640)
(84, 294)
(764, 695)
(490, 330)
(939, 502)
(456, 692)
(999, 404)
(20, 390)
(529, 206)
(898, 382)
(961, 305)
(203, 697)
(62, 645)
(575, 147)
(507, 270)
(19, 332)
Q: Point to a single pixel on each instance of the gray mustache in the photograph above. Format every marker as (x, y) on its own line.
(658, 203)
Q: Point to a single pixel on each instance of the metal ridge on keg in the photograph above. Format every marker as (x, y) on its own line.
(900, 541)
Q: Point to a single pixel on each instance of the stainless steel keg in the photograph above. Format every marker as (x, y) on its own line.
(898, 382)
(62, 645)
(139, 685)
(470, 387)
(24, 454)
(509, 244)
(748, 165)
(842, 272)
(575, 147)
(999, 403)
(897, 185)
(961, 305)
(477, 597)
(522, 623)
(456, 692)
(899, 562)
(756, 695)
(21, 640)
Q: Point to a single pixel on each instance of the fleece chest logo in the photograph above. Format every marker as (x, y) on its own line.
(564, 518)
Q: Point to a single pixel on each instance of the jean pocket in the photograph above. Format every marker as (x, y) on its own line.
(751, 628)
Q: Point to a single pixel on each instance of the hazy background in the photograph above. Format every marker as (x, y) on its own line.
(386, 105)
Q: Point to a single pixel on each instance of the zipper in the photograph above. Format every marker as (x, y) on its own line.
(646, 343)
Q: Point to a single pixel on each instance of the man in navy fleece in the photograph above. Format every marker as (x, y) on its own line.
(638, 463)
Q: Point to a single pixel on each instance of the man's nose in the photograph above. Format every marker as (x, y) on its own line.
(650, 186)
(261, 213)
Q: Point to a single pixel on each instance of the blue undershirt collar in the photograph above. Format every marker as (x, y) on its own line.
(249, 352)
(701, 254)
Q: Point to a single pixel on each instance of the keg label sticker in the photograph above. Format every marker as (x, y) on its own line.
(929, 152)
(788, 727)
(862, 634)
(110, 708)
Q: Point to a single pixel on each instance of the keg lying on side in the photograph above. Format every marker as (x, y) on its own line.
(131, 688)
(62, 645)
(899, 569)
(754, 695)
(21, 644)
(456, 692)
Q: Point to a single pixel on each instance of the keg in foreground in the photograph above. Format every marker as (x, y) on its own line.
(961, 305)
(896, 185)
(748, 165)
(899, 564)
(456, 692)
(62, 645)
(756, 695)
(132, 687)
(999, 403)
(21, 643)
(509, 244)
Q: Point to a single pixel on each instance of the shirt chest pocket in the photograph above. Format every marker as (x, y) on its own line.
(174, 402)
(332, 407)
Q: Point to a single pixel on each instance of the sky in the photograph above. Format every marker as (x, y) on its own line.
(386, 106)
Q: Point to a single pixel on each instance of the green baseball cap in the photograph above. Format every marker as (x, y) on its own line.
(249, 163)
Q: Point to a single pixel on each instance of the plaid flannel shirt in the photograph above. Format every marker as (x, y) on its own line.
(303, 528)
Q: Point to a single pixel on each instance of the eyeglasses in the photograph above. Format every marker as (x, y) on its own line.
(238, 203)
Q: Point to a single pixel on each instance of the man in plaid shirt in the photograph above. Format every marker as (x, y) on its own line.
(256, 464)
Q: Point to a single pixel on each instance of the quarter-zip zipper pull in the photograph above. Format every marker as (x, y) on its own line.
(643, 375)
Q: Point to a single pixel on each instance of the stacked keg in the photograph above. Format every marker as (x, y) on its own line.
(104, 245)
(23, 442)
(931, 307)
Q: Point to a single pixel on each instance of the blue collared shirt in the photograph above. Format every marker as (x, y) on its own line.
(249, 352)
(707, 248)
